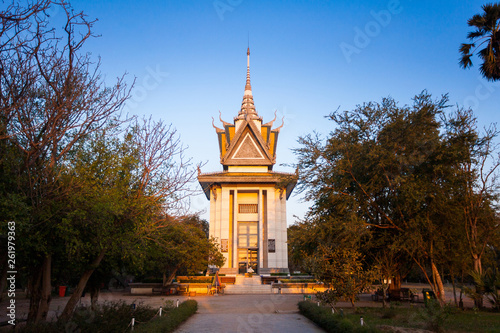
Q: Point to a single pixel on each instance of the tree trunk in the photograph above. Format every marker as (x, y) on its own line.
(477, 263)
(395, 282)
(34, 288)
(46, 287)
(171, 277)
(384, 295)
(478, 269)
(435, 278)
(70, 306)
(94, 296)
(438, 284)
(454, 289)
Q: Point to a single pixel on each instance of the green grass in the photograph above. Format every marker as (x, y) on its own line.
(448, 319)
(324, 318)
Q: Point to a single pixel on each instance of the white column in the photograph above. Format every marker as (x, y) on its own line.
(261, 228)
(271, 225)
(235, 228)
(278, 233)
(224, 221)
(213, 217)
(284, 262)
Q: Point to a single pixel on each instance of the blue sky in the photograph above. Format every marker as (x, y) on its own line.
(308, 58)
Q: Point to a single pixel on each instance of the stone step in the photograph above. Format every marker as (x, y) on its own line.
(248, 289)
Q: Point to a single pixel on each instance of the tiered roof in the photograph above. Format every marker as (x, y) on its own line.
(247, 141)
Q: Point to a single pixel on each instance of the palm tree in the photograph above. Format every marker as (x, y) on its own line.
(487, 32)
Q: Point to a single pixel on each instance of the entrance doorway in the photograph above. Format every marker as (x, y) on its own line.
(247, 258)
(247, 246)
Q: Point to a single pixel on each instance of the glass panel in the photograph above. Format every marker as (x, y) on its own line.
(243, 241)
(242, 255)
(252, 241)
(252, 228)
(252, 255)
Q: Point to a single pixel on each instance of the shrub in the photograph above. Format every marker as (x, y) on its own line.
(107, 317)
(324, 318)
(298, 280)
(170, 321)
(195, 279)
(434, 315)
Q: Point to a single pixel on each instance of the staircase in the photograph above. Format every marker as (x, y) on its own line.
(248, 285)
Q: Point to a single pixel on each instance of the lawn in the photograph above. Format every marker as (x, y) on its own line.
(434, 318)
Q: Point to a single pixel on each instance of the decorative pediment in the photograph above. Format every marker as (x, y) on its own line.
(247, 148)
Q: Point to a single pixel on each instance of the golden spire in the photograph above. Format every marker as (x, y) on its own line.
(247, 106)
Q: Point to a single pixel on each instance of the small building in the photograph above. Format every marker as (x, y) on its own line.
(247, 198)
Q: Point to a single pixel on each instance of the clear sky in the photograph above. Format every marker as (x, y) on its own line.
(308, 58)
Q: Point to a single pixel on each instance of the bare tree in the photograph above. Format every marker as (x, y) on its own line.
(157, 177)
(52, 95)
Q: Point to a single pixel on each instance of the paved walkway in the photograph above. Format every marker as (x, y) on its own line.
(248, 314)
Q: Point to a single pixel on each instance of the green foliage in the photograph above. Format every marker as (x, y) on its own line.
(486, 284)
(179, 245)
(170, 321)
(401, 184)
(195, 279)
(486, 35)
(343, 271)
(106, 318)
(418, 318)
(434, 315)
(324, 318)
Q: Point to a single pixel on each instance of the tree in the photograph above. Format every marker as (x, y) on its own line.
(487, 34)
(124, 191)
(394, 171)
(476, 190)
(180, 245)
(52, 95)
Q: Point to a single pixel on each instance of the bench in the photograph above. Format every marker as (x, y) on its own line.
(403, 294)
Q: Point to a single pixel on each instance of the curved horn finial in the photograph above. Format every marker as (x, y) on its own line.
(216, 128)
(282, 123)
(225, 123)
(272, 121)
(275, 111)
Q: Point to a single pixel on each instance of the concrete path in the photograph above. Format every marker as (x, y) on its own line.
(248, 314)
